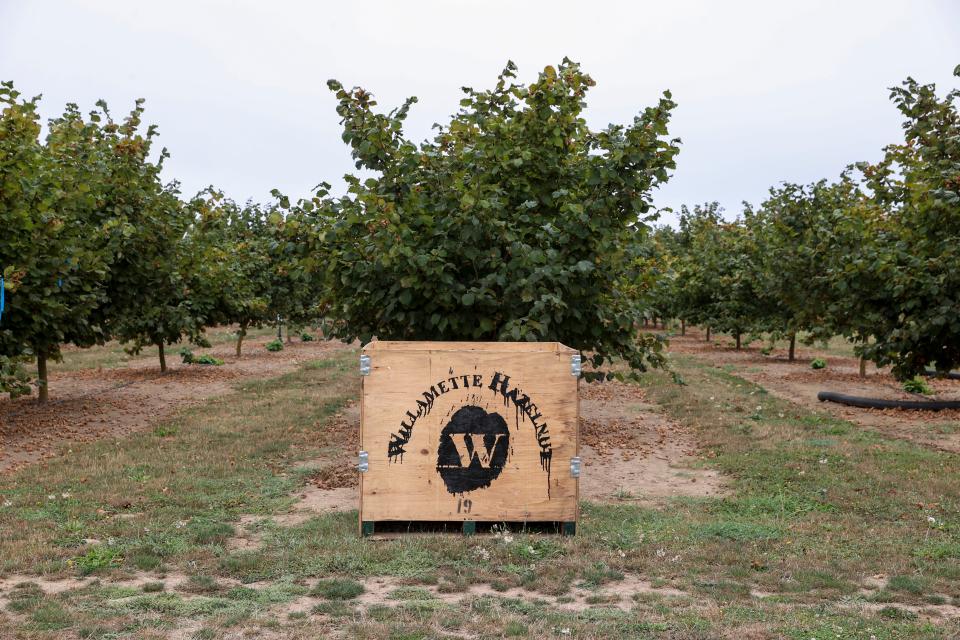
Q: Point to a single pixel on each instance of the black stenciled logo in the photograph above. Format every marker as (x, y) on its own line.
(473, 449)
(475, 444)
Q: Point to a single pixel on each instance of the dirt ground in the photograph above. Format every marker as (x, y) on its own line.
(798, 382)
(632, 452)
(91, 404)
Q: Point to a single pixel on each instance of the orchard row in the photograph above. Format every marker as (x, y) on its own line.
(516, 221)
(873, 256)
(95, 246)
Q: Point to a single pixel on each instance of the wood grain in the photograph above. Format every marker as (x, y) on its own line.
(445, 377)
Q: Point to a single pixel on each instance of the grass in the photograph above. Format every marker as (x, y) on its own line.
(113, 354)
(815, 505)
(337, 589)
(172, 494)
(944, 428)
(819, 480)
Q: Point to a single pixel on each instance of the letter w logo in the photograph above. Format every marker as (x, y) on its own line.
(464, 442)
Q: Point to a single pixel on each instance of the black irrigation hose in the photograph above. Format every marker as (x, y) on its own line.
(952, 375)
(878, 403)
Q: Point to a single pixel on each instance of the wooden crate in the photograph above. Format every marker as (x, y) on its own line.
(471, 432)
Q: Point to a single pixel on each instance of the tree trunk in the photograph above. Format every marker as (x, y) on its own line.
(240, 335)
(42, 391)
(738, 341)
(163, 358)
(793, 346)
(683, 327)
(863, 367)
(708, 334)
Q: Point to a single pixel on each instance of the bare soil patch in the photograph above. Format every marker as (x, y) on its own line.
(91, 404)
(621, 595)
(632, 452)
(798, 383)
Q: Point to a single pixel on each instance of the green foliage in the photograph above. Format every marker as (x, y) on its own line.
(306, 337)
(897, 613)
(719, 272)
(98, 558)
(50, 615)
(917, 187)
(917, 385)
(165, 431)
(204, 531)
(239, 241)
(651, 275)
(52, 254)
(818, 363)
(97, 246)
(909, 584)
(275, 345)
(696, 286)
(516, 222)
(25, 597)
(13, 377)
(297, 251)
(188, 358)
(870, 258)
(260, 262)
(164, 285)
(738, 531)
(337, 589)
(794, 264)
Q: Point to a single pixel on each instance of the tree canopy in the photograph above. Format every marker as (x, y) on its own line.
(515, 222)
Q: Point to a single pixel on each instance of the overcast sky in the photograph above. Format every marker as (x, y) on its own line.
(767, 91)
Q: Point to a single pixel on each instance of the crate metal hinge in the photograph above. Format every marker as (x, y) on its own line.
(575, 365)
(363, 462)
(575, 467)
(364, 365)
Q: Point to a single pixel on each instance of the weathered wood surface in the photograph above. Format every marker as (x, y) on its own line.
(469, 431)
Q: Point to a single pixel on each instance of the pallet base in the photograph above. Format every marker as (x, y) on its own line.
(467, 527)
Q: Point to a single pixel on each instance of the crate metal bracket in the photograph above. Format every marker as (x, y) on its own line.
(363, 462)
(575, 467)
(364, 365)
(575, 365)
